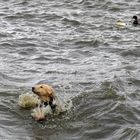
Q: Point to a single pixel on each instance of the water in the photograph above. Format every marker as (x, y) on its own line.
(75, 47)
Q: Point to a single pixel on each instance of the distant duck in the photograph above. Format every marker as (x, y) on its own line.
(135, 20)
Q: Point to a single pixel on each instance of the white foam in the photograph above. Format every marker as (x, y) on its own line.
(41, 110)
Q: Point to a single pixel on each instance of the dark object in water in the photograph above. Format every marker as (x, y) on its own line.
(135, 22)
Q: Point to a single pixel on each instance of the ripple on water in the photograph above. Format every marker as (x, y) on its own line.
(131, 52)
(112, 117)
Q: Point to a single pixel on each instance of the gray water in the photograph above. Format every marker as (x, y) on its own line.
(76, 47)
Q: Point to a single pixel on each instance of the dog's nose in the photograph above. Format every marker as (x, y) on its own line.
(33, 88)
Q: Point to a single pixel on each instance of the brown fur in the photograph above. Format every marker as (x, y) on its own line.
(44, 91)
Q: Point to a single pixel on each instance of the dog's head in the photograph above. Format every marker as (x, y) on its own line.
(45, 92)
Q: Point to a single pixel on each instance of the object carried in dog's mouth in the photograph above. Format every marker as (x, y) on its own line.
(28, 100)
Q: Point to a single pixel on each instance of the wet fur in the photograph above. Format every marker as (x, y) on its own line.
(44, 91)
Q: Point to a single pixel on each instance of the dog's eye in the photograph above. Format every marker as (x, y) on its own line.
(41, 86)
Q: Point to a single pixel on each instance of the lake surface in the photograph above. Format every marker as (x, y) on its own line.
(75, 46)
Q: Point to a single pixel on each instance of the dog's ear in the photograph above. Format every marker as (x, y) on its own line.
(50, 92)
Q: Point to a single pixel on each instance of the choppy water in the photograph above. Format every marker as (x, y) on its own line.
(76, 47)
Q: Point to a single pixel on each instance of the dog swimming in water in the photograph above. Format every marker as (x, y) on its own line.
(44, 101)
(49, 102)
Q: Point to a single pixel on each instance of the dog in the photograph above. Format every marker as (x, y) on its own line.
(50, 103)
(46, 94)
